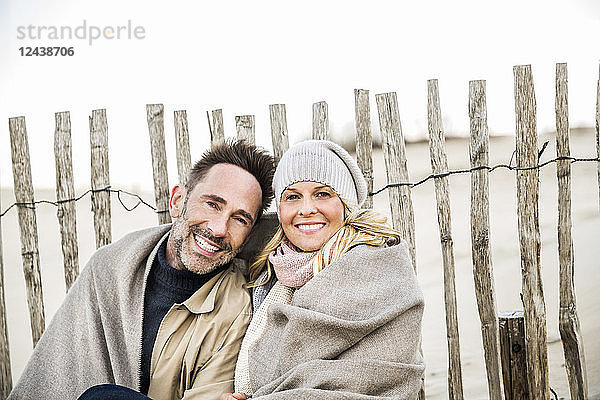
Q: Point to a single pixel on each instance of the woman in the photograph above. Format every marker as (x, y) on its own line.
(337, 305)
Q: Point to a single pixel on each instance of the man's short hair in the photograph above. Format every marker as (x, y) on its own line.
(247, 156)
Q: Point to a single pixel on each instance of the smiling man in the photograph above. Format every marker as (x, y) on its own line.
(162, 312)
(214, 219)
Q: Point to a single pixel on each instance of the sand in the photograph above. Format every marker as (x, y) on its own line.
(505, 258)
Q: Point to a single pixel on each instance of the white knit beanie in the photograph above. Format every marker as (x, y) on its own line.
(324, 162)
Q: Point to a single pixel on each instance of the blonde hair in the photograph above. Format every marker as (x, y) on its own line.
(360, 227)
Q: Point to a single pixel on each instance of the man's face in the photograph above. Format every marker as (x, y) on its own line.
(213, 221)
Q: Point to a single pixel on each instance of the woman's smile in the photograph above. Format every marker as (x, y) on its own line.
(310, 227)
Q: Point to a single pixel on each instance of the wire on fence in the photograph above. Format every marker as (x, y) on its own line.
(508, 166)
(484, 167)
(105, 189)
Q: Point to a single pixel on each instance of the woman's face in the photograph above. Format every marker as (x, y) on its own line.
(310, 214)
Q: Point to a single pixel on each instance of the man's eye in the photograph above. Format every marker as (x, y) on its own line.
(241, 220)
(212, 204)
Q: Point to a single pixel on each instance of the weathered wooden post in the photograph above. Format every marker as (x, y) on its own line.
(244, 125)
(320, 121)
(514, 364)
(5, 371)
(65, 194)
(439, 166)
(217, 131)
(568, 317)
(156, 127)
(364, 140)
(480, 237)
(394, 151)
(529, 233)
(27, 224)
(182, 145)
(99, 177)
(279, 131)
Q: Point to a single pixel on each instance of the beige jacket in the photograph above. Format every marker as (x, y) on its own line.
(198, 342)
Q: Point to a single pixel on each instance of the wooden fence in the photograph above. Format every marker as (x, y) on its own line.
(399, 188)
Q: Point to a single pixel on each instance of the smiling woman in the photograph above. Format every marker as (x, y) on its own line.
(337, 305)
(310, 214)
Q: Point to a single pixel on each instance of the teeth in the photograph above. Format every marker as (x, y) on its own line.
(204, 245)
(310, 227)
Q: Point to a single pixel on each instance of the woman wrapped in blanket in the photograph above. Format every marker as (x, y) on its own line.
(337, 307)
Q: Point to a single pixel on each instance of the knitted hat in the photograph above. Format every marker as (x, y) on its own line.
(324, 162)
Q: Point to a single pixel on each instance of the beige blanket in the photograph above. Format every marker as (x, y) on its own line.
(352, 332)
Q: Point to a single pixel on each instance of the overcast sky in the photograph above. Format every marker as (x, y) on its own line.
(244, 55)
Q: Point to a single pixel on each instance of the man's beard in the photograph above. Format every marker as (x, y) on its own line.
(192, 260)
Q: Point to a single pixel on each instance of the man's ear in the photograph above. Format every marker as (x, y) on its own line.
(177, 199)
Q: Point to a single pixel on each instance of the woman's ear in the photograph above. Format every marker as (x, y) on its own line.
(177, 199)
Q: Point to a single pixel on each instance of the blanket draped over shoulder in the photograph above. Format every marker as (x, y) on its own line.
(95, 336)
(352, 332)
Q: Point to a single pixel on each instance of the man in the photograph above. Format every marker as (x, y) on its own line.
(163, 310)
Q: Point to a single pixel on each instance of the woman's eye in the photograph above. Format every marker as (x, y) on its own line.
(292, 197)
(323, 194)
(212, 204)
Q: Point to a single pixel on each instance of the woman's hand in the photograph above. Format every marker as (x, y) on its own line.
(233, 396)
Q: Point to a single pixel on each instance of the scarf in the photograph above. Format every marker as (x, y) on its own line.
(292, 267)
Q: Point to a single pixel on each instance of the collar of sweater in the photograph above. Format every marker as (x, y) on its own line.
(176, 279)
(202, 299)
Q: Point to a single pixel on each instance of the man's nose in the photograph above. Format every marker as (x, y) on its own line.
(218, 226)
